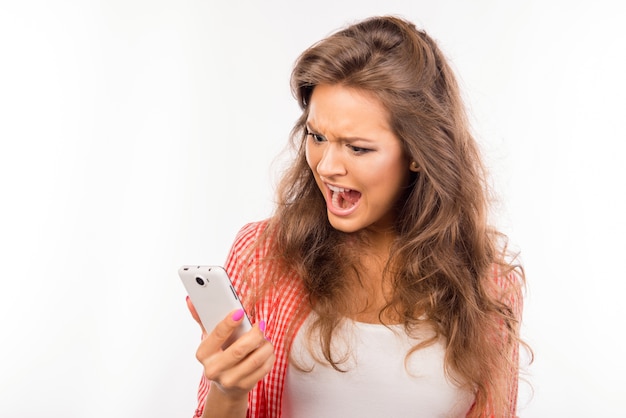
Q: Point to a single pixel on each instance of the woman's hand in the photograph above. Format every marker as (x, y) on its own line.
(237, 369)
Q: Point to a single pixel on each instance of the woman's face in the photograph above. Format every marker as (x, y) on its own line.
(358, 162)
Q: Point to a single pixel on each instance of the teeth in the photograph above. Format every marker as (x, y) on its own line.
(337, 189)
(335, 195)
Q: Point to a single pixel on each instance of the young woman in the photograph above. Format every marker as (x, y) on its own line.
(377, 287)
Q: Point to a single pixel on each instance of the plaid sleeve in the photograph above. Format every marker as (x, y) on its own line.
(234, 266)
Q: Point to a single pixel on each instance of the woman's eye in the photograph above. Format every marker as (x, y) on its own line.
(315, 137)
(359, 150)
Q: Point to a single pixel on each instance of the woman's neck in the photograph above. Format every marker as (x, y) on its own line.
(371, 281)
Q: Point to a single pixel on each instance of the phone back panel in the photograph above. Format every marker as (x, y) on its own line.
(213, 296)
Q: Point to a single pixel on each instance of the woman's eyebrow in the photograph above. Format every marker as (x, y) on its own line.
(312, 129)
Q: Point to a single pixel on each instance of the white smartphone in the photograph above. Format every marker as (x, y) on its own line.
(213, 296)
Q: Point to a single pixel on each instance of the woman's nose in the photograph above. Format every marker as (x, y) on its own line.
(331, 163)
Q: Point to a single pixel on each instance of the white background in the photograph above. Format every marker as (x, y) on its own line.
(137, 136)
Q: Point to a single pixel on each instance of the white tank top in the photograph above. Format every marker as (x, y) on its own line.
(376, 383)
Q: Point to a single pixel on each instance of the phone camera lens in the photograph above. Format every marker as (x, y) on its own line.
(200, 281)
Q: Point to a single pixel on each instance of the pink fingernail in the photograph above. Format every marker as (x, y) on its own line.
(237, 315)
(262, 326)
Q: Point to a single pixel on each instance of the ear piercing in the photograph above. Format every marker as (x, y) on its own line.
(414, 167)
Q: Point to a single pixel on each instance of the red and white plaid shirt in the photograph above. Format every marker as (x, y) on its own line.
(278, 308)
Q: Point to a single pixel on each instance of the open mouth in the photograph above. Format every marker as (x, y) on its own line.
(342, 198)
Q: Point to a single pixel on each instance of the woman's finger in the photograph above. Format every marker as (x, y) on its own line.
(242, 377)
(222, 332)
(251, 369)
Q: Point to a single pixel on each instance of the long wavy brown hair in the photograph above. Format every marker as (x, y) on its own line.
(448, 268)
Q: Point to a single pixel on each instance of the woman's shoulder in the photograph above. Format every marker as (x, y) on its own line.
(245, 254)
(507, 285)
(507, 277)
(250, 246)
(249, 234)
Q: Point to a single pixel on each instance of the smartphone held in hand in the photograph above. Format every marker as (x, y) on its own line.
(213, 296)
